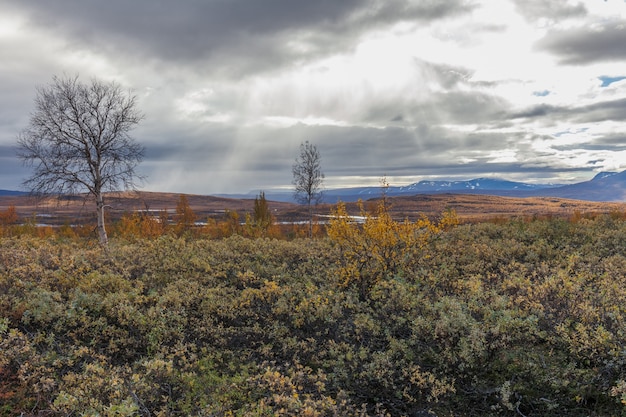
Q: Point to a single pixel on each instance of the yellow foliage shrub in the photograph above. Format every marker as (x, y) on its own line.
(142, 225)
(380, 246)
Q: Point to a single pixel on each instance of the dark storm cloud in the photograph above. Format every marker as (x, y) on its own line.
(235, 35)
(585, 45)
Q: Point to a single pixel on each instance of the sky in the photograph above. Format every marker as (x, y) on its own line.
(409, 90)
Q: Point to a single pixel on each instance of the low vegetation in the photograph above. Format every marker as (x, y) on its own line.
(384, 318)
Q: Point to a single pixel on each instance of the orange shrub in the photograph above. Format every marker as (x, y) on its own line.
(380, 247)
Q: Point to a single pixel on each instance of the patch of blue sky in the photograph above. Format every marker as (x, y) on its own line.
(606, 80)
(541, 93)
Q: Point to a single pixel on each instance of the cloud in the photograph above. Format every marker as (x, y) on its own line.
(585, 45)
(533, 10)
(603, 111)
(347, 152)
(398, 87)
(541, 110)
(610, 110)
(615, 141)
(11, 169)
(232, 38)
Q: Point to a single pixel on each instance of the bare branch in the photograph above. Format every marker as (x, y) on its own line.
(308, 178)
(78, 139)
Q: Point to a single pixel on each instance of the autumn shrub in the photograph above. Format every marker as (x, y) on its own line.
(555, 277)
(8, 218)
(139, 225)
(185, 217)
(380, 247)
(516, 318)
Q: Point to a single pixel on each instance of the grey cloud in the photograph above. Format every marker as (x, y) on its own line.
(586, 45)
(207, 151)
(233, 36)
(615, 142)
(590, 147)
(399, 151)
(453, 107)
(178, 53)
(424, 10)
(11, 169)
(553, 9)
(602, 111)
(17, 93)
(222, 159)
(537, 111)
(447, 76)
(345, 151)
(418, 151)
(466, 107)
(456, 100)
(462, 101)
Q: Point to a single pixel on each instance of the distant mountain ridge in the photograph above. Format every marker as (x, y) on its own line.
(11, 193)
(605, 186)
(475, 186)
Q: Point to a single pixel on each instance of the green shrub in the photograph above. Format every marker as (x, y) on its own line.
(519, 318)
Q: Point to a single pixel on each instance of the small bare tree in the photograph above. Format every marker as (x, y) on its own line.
(78, 141)
(308, 179)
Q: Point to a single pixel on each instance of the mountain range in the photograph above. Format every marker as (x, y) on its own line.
(10, 193)
(605, 186)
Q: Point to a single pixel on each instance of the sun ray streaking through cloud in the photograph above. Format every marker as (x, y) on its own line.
(520, 89)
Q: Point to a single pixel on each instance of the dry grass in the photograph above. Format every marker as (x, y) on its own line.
(474, 207)
(469, 207)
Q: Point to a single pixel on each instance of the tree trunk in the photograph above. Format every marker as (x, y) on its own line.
(310, 221)
(102, 233)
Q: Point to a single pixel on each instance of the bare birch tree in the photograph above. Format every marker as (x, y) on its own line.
(308, 179)
(78, 140)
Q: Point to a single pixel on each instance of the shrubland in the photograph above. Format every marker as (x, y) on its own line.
(385, 318)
